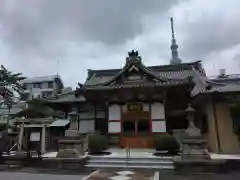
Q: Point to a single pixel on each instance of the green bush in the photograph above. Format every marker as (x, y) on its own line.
(166, 142)
(97, 143)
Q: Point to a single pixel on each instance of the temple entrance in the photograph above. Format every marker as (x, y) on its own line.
(136, 134)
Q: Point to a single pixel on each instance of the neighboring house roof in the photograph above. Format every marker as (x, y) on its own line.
(228, 83)
(226, 88)
(165, 72)
(14, 110)
(42, 79)
(65, 98)
(227, 80)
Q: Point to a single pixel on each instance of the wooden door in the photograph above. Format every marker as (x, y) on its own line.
(136, 142)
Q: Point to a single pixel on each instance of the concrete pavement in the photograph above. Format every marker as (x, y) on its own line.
(31, 176)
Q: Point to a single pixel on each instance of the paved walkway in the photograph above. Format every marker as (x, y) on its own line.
(104, 174)
(225, 156)
(135, 153)
(27, 176)
(172, 176)
(126, 174)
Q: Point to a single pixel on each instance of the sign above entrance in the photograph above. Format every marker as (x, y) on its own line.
(135, 106)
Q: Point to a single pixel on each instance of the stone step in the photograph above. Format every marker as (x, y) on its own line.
(165, 167)
(114, 158)
(129, 162)
(132, 162)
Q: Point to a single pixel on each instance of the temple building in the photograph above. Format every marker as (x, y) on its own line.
(132, 104)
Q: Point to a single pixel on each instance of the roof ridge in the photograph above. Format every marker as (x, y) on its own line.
(216, 83)
(54, 75)
(139, 65)
(154, 66)
(199, 75)
(89, 78)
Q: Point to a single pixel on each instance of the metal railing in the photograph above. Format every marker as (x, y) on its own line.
(12, 147)
(128, 152)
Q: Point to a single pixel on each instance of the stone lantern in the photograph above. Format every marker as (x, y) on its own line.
(192, 130)
(194, 147)
(73, 144)
(74, 116)
(73, 130)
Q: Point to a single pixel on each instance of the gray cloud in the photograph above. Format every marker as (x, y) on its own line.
(210, 28)
(97, 34)
(34, 24)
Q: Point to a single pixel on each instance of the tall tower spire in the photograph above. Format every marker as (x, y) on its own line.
(174, 47)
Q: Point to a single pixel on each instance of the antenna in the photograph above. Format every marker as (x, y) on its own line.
(172, 27)
(174, 47)
(58, 64)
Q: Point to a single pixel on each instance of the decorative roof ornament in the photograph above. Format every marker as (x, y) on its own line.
(174, 47)
(133, 56)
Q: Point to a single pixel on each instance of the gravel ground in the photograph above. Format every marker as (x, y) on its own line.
(29, 176)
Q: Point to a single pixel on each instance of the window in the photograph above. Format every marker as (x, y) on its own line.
(24, 97)
(24, 87)
(50, 84)
(47, 94)
(37, 85)
(129, 127)
(143, 126)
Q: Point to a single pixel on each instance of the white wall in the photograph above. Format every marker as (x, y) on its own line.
(157, 111)
(87, 114)
(86, 126)
(158, 117)
(114, 127)
(158, 126)
(114, 112)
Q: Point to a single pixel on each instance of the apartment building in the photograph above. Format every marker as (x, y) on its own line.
(41, 87)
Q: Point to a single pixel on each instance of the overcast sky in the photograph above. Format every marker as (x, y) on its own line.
(97, 34)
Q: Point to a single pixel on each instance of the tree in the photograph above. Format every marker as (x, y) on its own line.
(9, 83)
(37, 109)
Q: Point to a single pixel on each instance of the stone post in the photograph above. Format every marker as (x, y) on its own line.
(20, 137)
(43, 135)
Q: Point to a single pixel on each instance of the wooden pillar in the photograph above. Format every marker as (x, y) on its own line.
(20, 136)
(43, 135)
(79, 117)
(95, 115)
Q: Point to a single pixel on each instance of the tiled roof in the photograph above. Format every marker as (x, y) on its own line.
(228, 80)
(41, 79)
(14, 110)
(66, 97)
(138, 85)
(180, 71)
(226, 88)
